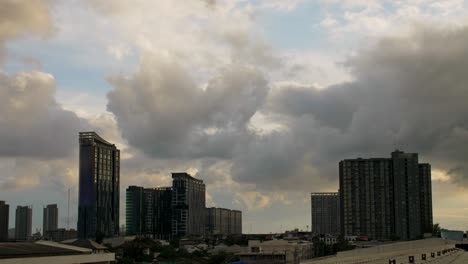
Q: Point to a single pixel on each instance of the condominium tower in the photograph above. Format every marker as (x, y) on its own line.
(23, 225)
(325, 213)
(385, 198)
(148, 212)
(4, 219)
(188, 205)
(50, 218)
(221, 221)
(99, 181)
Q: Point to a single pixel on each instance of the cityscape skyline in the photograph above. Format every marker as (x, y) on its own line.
(260, 99)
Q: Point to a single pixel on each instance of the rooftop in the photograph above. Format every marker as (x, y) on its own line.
(21, 250)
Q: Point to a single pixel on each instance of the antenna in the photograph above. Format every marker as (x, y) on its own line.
(68, 210)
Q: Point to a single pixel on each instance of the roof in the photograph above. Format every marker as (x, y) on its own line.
(22, 250)
(93, 135)
(85, 243)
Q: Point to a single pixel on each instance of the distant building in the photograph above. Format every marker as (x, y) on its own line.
(277, 252)
(4, 218)
(221, 221)
(325, 213)
(188, 205)
(385, 198)
(454, 235)
(148, 212)
(23, 226)
(50, 218)
(60, 234)
(99, 181)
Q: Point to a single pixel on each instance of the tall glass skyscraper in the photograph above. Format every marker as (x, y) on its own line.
(98, 209)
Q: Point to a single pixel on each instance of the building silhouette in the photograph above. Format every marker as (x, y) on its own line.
(325, 213)
(50, 218)
(221, 221)
(99, 181)
(188, 205)
(23, 225)
(148, 212)
(4, 219)
(385, 198)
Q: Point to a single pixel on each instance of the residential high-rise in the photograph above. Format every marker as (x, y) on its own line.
(50, 218)
(99, 181)
(325, 213)
(133, 210)
(381, 197)
(148, 211)
(221, 221)
(425, 197)
(23, 226)
(163, 213)
(4, 219)
(188, 205)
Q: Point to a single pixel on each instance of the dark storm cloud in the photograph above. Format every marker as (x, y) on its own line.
(161, 111)
(32, 124)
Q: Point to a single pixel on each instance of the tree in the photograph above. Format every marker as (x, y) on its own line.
(436, 230)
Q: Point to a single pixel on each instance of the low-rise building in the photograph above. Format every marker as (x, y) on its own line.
(60, 234)
(329, 240)
(276, 252)
(451, 235)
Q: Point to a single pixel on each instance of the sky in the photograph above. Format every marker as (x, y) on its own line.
(260, 99)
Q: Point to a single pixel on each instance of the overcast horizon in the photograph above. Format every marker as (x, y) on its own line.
(260, 99)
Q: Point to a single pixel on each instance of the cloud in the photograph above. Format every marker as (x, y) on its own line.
(162, 111)
(409, 92)
(32, 123)
(21, 17)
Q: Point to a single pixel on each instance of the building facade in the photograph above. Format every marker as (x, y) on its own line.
(4, 220)
(325, 213)
(425, 197)
(221, 221)
(148, 211)
(60, 234)
(188, 205)
(23, 225)
(99, 181)
(50, 218)
(381, 197)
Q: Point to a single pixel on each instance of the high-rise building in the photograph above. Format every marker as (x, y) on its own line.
(4, 218)
(23, 226)
(425, 197)
(381, 197)
(325, 213)
(50, 218)
(163, 213)
(133, 210)
(188, 205)
(99, 181)
(221, 221)
(148, 211)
